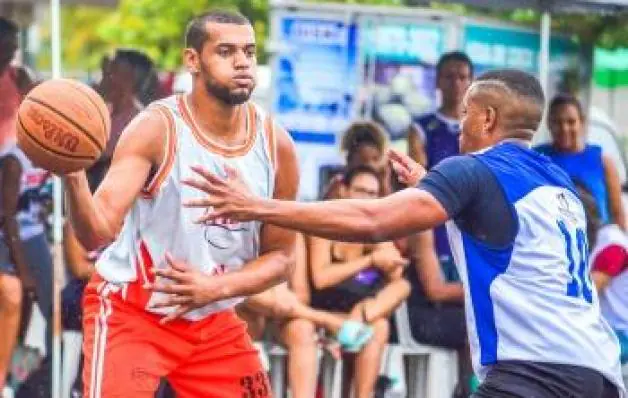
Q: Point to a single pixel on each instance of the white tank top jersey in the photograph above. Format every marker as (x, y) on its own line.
(29, 201)
(158, 223)
(533, 300)
(614, 299)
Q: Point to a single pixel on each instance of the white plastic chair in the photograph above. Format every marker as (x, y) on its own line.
(273, 358)
(433, 371)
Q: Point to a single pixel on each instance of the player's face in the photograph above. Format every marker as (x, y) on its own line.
(475, 119)
(566, 126)
(228, 62)
(453, 81)
(363, 186)
(8, 47)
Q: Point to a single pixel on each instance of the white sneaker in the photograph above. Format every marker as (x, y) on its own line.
(7, 393)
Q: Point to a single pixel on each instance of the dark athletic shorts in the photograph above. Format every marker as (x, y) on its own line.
(519, 379)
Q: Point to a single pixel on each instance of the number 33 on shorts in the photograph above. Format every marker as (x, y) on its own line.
(255, 386)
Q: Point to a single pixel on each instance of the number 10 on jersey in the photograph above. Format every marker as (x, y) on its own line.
(579, 285)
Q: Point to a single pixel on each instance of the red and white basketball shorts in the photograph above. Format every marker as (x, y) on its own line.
(127, 352)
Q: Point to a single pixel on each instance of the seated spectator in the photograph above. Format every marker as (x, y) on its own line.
(585, 163)
(436, 307)
(288, 303)
(363, 281)
(364, 143)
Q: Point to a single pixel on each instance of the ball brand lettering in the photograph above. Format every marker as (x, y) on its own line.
(53, 132)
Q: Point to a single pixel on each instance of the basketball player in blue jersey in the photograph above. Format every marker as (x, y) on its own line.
(517, 230)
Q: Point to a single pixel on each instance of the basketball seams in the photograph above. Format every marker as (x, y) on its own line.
(48, 149)
(67, 119)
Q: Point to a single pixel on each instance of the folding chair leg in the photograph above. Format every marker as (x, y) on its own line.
(417, 375)
(278, 379)
(329, 367)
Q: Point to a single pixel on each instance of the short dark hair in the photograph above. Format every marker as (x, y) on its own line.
(132, 57)
(7, 27)
(566, 99)
(363, 133)
(351, 173)
(196, 32)
(520, 86)
(453, 56)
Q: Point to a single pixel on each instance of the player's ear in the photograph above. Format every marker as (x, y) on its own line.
(192, 60)
(490, 119)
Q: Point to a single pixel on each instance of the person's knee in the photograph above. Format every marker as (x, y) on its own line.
(381, 329)
(10, 293)
(299, 332)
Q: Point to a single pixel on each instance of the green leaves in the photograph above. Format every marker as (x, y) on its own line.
(157, 27)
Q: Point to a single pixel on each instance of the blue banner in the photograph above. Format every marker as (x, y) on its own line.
(403, 42)
(316, 77)
(491, 47)
(502, 48)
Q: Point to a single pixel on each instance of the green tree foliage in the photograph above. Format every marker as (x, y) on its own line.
(153, 26)
(607, 31)
(157, 26)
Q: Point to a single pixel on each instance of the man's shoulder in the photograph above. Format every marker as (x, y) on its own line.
(459, 170)
(465, 162)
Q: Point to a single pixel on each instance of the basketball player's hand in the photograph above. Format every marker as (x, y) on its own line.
(188, 288)
(408, 171)
(228, 198)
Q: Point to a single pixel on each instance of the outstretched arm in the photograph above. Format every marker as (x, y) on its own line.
(400, 214)
(370, 220)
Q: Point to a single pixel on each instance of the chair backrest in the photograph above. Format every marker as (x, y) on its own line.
(402, 321)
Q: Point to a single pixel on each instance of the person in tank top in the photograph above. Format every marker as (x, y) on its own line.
(135, 335)
(585, 163)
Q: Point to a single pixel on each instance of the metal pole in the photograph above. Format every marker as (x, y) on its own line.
(544, 66)
(544, 53)
(58, 218)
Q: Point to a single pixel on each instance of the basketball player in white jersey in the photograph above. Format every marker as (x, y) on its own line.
(517, 231)
(137, 212)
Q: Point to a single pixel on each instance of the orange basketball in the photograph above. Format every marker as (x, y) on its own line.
(63, 126)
